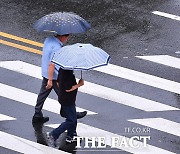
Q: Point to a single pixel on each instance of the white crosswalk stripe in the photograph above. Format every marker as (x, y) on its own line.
(160, 124)
(94, 89)
(163, 59)
(30, 98)
(114, 70)
(167, 15)
(99, 91)
(5, 117)
(140, 77)
(22, 145)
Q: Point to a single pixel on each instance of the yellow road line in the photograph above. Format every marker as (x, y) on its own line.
(21, 39)
(21, 47)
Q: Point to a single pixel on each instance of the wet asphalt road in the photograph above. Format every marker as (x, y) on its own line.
(124, 29)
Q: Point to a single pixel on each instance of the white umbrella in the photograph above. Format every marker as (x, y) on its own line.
(80, 57)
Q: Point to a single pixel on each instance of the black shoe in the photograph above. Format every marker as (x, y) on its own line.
(40, 119)
(81, 114)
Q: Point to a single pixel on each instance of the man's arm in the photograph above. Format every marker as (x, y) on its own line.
(80, 83)
(51, 69)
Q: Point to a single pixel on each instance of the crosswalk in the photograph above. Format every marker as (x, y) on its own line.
(111, 95)
(95, 89)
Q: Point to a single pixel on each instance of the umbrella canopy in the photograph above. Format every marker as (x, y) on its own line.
(62, 23)
(80, 57)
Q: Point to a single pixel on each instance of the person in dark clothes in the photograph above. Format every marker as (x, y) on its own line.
(67, 96)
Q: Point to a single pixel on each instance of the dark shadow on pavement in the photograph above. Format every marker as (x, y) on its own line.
(38, 131)
(61, 142)
(71, 148)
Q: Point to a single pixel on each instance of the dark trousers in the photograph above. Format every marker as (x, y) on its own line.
(70, 123)
(43, 94)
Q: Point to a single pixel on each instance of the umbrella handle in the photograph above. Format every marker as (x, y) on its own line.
(81, 74)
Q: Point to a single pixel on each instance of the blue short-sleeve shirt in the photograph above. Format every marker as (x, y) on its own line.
(51, 45)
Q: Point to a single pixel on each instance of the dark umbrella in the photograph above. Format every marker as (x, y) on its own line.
(62, 23)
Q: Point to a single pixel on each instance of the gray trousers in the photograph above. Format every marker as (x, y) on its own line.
(43, 94)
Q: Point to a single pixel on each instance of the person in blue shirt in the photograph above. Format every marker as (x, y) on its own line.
(51, 45)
